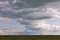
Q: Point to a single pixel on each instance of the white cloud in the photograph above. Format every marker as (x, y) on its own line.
(5, 19)
(11, 30)
(7, 32)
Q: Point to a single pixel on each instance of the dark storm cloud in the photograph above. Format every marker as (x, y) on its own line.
(32, 28)
(37, 3)
(20, 5)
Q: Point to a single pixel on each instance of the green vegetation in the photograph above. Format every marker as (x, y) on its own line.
(27, 37)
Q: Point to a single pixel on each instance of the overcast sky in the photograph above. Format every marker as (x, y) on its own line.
(29, 17)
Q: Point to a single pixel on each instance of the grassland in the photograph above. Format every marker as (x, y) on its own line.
(31, 37)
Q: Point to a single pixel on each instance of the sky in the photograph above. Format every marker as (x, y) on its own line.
(29, 17)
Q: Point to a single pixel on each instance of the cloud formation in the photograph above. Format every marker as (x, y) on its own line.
(34, 18)
(11, 29)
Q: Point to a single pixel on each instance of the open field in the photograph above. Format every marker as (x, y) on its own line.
(27, 37)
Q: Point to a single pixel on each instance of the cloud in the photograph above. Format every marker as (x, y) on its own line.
(35, 18)
(10, 29)
(7, 32)
(8, 11)
(48, 11)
